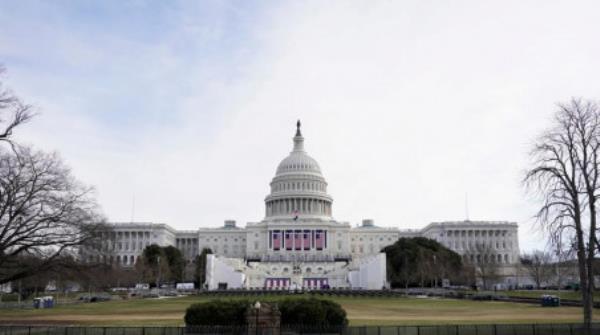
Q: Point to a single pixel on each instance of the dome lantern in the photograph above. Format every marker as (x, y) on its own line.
(298, 139)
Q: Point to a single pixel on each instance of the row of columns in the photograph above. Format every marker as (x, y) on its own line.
(299, 186)
(488, 258)
(131, 235)
(477, 233)
(302, 205)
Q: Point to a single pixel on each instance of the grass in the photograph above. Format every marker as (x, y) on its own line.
(570, 295)
(361, 311)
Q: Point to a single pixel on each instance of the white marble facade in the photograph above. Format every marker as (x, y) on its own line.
(300, 243)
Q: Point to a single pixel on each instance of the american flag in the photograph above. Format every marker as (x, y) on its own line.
(298, 240)
(276, 240)
(296, 213)
(306, 239)
(319, 240)
(288, 240)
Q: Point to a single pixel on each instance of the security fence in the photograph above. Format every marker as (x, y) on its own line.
(487, 329)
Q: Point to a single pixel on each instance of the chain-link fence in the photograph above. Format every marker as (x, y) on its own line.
(489, 329)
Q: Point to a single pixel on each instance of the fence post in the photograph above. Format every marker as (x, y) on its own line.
(456, 330)
(533, 328)
(29, 331)
(571, 329)
(418, 330)
(495, 329)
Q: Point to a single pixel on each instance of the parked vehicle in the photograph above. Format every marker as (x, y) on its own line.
(43, 302)
(142, 286)
(184, 286)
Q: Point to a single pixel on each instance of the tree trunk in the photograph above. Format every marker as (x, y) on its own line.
(583, 275)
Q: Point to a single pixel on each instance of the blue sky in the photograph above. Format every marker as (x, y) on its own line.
(111, 53)
(189, 106)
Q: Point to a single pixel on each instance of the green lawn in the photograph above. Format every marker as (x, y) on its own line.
(361, 311)
(571, 295)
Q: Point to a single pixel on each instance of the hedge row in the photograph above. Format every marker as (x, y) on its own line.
(294, 311)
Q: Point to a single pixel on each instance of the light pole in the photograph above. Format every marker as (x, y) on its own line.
(435, 272)
(158, 275)
(257, 307)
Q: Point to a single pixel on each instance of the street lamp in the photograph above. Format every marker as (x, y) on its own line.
(257, 307)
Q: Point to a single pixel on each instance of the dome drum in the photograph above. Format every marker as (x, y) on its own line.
(298, 206)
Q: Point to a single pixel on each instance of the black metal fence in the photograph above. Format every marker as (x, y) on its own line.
(494, 329)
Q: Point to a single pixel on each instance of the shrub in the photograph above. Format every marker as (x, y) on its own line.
(10, 297)
(307, 312)
(217, 313)
(312, 311)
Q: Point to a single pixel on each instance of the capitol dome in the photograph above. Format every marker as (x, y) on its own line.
(298, 160)
(298, 189)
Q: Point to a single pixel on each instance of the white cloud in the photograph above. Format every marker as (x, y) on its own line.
(406, 106)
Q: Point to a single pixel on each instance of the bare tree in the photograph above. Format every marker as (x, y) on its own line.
(13, 112)
(483, 260)
(44, 212)
(564, 175)
(538, 265)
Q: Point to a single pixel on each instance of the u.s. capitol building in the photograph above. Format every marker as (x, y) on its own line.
(300, 244)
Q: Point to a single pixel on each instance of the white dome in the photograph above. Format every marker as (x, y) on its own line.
(298, 187)
(298, 162)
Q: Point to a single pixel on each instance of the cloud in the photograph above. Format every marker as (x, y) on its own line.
(406, 106)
